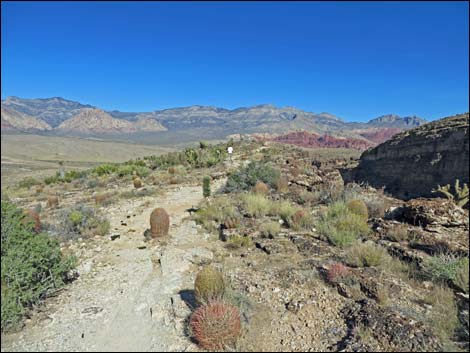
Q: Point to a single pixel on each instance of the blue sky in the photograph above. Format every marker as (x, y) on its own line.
(357, 60)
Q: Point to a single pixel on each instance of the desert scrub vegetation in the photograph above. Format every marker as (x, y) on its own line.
(26, 183)
(32, 266)
(82, 221)
(448, 268)
(270, 229)
(246, 178)
(365, 255)
(206, 186)
(341, 226)
(358, 207)
(216, 211)
(443, 317)
(256, 205)
(239, 241)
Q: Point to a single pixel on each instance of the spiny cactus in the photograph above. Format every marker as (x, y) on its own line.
(261, 188)
(206, 186)
(159, 222)
(137, 183)
(32, 216)
(460, 194)
(216, 326)
(52, 201)
(209, 285)
(337, 272)
(358, 207)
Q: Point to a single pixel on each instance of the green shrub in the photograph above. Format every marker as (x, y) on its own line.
(32, 266)
(256, 205)
(26, 183)
(341, 226)
(105, 169)
(461, 277)
(283, 209)
(208, 285)
(238, 241)
(82, 221)
(301, 219)
(247, 177)
(444, 268)
(365, 255)
(206, 186)
(270, 229)
(443, 317)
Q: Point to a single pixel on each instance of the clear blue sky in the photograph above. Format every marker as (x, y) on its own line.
(355, 60)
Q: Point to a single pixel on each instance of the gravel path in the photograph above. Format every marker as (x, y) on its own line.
(128, 298)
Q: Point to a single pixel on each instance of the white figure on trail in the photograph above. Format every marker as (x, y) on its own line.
(230, 151)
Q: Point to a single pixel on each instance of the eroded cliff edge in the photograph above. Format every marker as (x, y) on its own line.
(414, 162)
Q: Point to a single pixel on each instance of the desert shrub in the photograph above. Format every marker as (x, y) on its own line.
(398, 233)
(159, 222)
(261, 188)
(238, 241)
(51, 180)
(105, 169)
(365, 255)
(270, 229)
(26, 183)
(247, 177)
(341, 226)
(307, 197)
(216, 326)
(283, 209)
(32, 266)
(206, 186)
(208, 285)
(461, 277)
(358, 207)
(443, 317)
(217, 211)
(203, 144)
(301, 219)
(337, 273)
(330, 191)
(82, 221)
(445, 268)
(256, 205)
(376, 207)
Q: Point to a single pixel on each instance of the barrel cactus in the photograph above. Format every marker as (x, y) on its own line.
(137, 183)
(159, 222)
(261, 188)
(358, 207)
(209, 285)
(216, 326)
(52, 201)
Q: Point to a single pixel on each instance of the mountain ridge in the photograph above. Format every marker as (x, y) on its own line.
(63, 116)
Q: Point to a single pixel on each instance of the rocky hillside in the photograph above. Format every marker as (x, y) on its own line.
(306, 139)
(97, 121)
(414, 162)
(198, 122)
(17, 121)
(53, 111)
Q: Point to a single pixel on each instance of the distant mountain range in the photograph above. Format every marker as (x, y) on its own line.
(64, 117)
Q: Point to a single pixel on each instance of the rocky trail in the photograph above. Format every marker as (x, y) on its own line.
(131, 295)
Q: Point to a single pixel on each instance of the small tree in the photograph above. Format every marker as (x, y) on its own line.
(206, 186)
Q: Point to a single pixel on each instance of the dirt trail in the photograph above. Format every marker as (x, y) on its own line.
(128, 298)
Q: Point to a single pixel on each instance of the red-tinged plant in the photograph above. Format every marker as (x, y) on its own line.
(336, 272)
(216, 326)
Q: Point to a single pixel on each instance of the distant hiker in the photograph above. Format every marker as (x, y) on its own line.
(230, 151)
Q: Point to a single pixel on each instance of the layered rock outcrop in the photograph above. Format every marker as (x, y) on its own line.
(414, 162)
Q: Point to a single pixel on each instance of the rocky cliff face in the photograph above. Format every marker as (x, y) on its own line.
(17, 121)
(414, 162)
